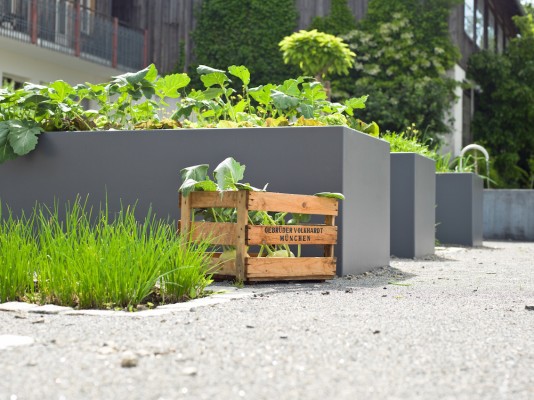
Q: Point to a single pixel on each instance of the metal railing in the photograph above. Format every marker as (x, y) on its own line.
(67, 27)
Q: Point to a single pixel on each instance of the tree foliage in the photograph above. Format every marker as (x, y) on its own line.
(404, 50)
(504, 115)
(317, 54)
(338, 22)
(245, 32)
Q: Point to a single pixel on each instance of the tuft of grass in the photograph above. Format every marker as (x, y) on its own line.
(100, 261)
(17, 252)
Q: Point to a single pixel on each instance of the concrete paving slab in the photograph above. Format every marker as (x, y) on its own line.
(17, 306)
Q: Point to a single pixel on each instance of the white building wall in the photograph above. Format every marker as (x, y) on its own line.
(452, 143)
(31, 63)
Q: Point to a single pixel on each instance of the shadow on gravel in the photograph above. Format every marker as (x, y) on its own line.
(432, 258)
(381, 276)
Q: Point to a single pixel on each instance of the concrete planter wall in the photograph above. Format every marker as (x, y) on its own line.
(459, 212)
(509, 214)
(144, 167)
(413, 202)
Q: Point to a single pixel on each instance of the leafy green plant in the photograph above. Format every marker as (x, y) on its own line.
(504, 117)
(227, 176)
(317, 54)
(339, 20)
(98, 261)
(404, 50)
(245, 32)
(295, 102)
(139, 101)
(410, 142)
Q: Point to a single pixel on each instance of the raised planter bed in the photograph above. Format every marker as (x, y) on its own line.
(413, 205)
(459, 208)
(143, 167)
(243, 236)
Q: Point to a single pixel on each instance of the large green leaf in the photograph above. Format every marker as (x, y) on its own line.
(191, 185)
(215, 78)
(211, 93)
(152, 73)
(6, 151)
(204, 69)
(241, 72)
(228, 173)
(133, 78)
(33, 100)
(282, 101)
(23, 136)
(314, 91)
(297, 219)
(196, 172)
(338, 196)
(169, 85)
(306, 110)
(60, 90)
(355, 103)
(262, 94)
(290, 87)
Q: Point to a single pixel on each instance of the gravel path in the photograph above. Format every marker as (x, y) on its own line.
(455, 326)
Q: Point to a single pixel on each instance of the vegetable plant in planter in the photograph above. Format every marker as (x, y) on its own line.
(239, 216)
(139, 101)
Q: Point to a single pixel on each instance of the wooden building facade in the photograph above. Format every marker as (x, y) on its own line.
(475, 24)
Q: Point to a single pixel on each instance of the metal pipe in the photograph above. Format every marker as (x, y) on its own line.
(486, 156)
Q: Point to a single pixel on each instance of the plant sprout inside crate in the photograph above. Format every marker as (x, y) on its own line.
(242, 235)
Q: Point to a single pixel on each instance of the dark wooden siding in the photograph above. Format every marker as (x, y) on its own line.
(170, 22)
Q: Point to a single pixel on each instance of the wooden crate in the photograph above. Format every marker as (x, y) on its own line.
(242, 234)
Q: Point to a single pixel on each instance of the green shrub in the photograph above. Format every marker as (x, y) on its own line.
(504, 117)
(404, 50)
(338, 21)
(245, 32)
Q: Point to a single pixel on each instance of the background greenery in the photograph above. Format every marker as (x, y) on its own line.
(237, 32)
(403, 52)
(338, 21)
(504, 114)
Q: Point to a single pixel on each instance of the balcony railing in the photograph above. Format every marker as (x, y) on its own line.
(66, 26)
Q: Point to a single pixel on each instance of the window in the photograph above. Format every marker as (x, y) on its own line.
(479, 24)
(500, 39)
(469, 19)
(13, 81)
(61, 15)
(86, 15)
(491, 31)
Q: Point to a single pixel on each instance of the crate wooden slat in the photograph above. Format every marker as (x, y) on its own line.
(271, 268)
(291, 234)
(293, 203)
(219, 233)
(213, 199)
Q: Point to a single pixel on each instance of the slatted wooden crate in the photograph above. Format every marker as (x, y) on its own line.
(248, 267)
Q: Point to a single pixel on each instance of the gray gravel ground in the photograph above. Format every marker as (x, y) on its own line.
(453, 326)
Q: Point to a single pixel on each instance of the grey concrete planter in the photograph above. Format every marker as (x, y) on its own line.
(509, 214)
(143, 167)
(459, 212)
(413, 202)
